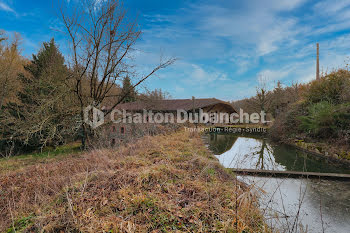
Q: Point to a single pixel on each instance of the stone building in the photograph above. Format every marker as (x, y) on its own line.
(124, 131)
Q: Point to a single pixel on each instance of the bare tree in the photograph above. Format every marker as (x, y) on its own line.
(294, 92)
(262, 100)
(2, 37)
(102, 39)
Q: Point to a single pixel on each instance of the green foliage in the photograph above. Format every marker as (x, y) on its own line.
(333, 88)
(320, 120)
(128, 90)
(20, 224)
(45, 112)
(23, 160)
(342, 116)
(325, 119)
(47, 74)
(322, 112)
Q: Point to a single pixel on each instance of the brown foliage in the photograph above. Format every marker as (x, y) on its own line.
(11, 64)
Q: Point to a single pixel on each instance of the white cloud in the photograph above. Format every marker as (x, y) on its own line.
(157, 18)
(246, 36)
(5, 7)
(258, 24)
(256, 29)
(198, 74)
(331, 6)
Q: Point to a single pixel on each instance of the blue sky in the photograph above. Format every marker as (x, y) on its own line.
(223, 46)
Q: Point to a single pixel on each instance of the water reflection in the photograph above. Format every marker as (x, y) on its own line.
(297, 205)
(250, 153)
(290, 205)
(259, 153)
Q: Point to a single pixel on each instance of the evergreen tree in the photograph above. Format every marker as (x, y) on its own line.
(45, 114)
(128, 90)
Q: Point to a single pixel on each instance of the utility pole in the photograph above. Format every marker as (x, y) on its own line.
(317, 62)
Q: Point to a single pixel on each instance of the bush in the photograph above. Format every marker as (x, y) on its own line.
(323, 110)
(325, 119)
(284, 125)
(342, 117)
(333, 88)
(320, 120)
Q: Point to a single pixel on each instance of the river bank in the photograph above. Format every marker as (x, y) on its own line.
(337, 154)
(289, 204)
(160, 183)
(332, 151)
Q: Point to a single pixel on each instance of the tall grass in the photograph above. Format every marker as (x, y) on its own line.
(161, 183)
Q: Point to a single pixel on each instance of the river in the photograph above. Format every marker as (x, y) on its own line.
(289, 205)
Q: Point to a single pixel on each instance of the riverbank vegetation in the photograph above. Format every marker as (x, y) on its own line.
(161, 183)
(314, 116)
(322, 116)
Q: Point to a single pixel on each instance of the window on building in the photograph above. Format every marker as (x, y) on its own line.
(122, 130)
(113, 129)
(113, 142)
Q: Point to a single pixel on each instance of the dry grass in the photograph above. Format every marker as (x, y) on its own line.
(19, 162)
(161, 183)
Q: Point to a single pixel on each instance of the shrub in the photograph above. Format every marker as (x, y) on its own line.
(323, 110)
(284, 125)
(320, 120)
(333, 88)
(342, 116)
(325, 119)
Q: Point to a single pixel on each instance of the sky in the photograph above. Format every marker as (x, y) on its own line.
(223, 48)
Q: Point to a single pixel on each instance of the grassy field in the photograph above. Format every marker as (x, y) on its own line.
(46, 156)
(165, 183)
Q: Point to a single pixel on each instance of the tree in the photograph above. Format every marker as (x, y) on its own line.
(158, 94)
(128, 90)
(278, 99)
(11, 63)
(2, 37)
(45, 110)
(293, 92)
(101, 39)
(262, 100)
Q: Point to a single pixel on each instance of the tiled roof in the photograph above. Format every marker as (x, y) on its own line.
(171, 104)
